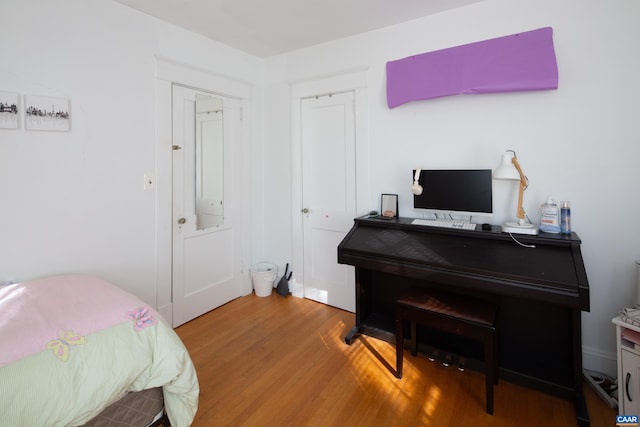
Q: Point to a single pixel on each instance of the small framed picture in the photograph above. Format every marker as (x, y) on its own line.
(9, 110)
(46, 113)
(389, 205)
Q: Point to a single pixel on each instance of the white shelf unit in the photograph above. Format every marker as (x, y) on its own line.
(628, 369)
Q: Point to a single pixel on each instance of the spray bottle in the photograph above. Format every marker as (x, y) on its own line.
(565, 217)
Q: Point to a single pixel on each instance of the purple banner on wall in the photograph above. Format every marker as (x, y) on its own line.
(519, 62)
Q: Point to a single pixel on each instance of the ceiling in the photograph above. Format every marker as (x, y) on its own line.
(269, 27)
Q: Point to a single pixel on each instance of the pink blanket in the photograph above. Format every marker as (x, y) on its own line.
(57, 312)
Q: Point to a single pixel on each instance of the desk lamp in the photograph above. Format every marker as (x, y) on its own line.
(510, 169)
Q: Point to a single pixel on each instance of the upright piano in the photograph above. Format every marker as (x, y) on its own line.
(539, 283)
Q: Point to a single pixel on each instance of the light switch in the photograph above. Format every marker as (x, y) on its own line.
(149, 181)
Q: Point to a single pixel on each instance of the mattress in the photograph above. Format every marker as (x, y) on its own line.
(135, 409)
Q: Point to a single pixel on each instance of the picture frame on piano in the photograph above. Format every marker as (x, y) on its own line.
(389, 206)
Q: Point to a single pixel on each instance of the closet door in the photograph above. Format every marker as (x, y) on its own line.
(206, 248)
(328, 195)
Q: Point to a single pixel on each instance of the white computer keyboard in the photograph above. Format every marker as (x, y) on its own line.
(445, 223)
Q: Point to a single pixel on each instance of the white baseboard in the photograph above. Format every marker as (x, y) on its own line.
(166, 311)
(598, 360)
(297, 290)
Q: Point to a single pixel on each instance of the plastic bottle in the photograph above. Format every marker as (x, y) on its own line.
(549, 217)
(565, 217)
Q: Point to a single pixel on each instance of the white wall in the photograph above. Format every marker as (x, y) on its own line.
(73, 202)
(579, 142)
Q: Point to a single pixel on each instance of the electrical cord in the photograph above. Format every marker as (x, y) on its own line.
(599, 377)
(520, 243)
(516, 240)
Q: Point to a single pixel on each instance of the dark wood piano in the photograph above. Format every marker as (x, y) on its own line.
(540, 290)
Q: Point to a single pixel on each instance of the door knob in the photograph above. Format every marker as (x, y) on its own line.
(305, 210)
(182, 221)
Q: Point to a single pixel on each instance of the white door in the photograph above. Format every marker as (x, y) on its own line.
(328, 196)
(206, 252)
(631, 387)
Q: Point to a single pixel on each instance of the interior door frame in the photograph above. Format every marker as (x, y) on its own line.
(353, 80)
(169, 72)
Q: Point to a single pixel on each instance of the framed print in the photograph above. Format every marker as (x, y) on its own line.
(389, 205)
(46, 113)
(9, 110)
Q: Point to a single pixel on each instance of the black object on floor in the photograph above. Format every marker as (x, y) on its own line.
(283, 284)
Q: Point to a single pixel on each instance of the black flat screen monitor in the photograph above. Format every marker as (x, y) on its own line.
(455, 191)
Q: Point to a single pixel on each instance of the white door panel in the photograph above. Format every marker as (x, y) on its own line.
(200, 272)
(206, 258)
(330, 283)
(328, 196)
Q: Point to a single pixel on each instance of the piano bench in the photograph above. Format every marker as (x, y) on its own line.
(455, 314)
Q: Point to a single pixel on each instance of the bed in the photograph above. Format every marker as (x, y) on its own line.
(76, 350)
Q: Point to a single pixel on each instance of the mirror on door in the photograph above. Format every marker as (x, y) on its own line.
(209, 161)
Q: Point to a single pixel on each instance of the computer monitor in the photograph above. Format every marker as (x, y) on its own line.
(455, 192)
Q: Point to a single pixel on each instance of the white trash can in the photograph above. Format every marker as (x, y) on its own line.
(263, 276)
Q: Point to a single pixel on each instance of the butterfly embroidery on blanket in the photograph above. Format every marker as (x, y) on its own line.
(62, 346)
(142, 318)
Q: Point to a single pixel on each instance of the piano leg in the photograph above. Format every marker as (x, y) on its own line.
(352, 335)
(582, 412)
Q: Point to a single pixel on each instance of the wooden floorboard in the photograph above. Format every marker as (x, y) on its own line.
(273, 361)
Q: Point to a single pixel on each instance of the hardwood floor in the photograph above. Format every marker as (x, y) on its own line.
(277, 361)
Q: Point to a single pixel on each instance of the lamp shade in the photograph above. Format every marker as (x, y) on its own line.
(506, 169)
